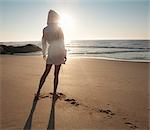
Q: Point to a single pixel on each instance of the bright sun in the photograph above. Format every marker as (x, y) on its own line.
(66, 23)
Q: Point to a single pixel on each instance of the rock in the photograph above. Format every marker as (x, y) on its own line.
(19, 49)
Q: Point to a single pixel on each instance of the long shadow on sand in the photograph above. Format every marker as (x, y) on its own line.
(51, 124)
(28, 123)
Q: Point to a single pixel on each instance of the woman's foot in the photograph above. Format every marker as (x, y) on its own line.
(54, 93)
(55, 96)
(37, 95)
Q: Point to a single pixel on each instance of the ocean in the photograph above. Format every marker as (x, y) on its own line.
(130, 50)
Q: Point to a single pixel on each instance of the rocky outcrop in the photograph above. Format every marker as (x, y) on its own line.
(19, 49)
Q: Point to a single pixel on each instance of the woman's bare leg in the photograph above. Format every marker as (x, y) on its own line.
(56, 74)
(42, 80)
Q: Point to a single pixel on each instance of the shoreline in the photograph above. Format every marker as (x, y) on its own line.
(113, 59)
(78, 57)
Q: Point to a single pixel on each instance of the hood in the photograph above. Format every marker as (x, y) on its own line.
(53, 17)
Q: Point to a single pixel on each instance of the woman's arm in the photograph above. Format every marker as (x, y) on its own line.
(44, 45)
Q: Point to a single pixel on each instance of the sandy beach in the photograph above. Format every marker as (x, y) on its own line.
(93, 95)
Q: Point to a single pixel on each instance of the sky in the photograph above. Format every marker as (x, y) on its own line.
(23, 20)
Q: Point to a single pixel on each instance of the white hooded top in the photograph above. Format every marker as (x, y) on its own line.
(53, 35)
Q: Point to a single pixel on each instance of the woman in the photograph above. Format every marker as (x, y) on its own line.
(53, 35)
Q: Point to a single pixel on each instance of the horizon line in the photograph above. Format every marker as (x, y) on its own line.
(81, 40)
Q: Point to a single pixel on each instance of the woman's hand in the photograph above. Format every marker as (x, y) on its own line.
(65, 58)
(44, 57)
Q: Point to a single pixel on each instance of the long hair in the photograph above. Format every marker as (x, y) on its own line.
(53, 17)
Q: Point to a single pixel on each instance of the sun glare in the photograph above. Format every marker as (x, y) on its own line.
(66, 22)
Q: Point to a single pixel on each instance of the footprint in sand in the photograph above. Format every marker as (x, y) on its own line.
(72, 101)
(131, 125)
(107, 111)
(44, 95)
(61, 96)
